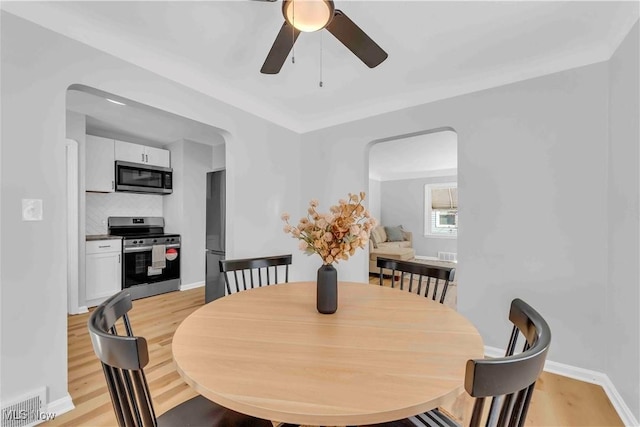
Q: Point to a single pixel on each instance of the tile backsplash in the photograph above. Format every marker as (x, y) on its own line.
(100, 206)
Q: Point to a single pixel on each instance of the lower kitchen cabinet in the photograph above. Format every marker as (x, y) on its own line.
(103, 269)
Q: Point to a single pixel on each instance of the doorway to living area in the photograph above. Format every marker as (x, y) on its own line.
(413, 184)
(413, 192)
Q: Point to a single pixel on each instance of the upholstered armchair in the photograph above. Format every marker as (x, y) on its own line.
(389, 242)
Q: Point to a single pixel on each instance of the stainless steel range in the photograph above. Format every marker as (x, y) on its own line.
(151, 257)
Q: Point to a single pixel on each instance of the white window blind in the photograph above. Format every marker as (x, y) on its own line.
(444, 198)
(441, 210)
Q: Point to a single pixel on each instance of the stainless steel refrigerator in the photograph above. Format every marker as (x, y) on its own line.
(216, 197)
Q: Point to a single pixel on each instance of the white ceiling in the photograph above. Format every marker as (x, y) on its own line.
(436, 49)
(135, 122)
(427, 155)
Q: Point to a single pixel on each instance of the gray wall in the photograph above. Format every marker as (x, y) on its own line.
(532, 180)
(403, 202)
(172, 203)
(76, 128)
(374, 198)
(219, 157)
(187, 206)
(540, 142)
(38, 66)
(622, 319)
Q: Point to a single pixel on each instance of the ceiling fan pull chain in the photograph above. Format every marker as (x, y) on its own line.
(320, 58)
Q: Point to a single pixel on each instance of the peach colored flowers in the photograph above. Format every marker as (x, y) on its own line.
(335, 235)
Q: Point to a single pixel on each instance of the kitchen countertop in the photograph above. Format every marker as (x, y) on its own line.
(102, 237)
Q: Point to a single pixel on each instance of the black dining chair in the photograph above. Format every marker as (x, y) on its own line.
(123, 358)
(424, 279)
(509, 381)
(254, 272)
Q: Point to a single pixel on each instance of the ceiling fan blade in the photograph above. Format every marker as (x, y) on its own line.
(345, 30)
(280, 49)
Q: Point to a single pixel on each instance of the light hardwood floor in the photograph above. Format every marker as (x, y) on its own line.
(558, 401)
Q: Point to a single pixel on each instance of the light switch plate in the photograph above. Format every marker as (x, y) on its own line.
(32, 209)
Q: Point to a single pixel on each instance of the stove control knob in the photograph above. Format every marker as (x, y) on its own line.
(154, 240)
(135, 241)
(141, 241)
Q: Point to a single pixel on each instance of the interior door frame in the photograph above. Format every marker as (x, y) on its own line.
(73, 268)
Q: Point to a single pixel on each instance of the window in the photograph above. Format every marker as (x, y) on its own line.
(441, 209)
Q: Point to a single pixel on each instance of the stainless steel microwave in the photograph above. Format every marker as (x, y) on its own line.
(140, 178)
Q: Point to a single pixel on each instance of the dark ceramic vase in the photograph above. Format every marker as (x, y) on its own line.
(327, 289)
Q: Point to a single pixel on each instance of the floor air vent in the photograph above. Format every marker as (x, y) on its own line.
(25, 411)
(448, 256)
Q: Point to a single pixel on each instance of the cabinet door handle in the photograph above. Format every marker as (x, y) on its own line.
(142, 156)
(104, 246)
(113, 186)
(146, 156)
(118, 258)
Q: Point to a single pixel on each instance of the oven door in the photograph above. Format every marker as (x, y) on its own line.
(137, 270)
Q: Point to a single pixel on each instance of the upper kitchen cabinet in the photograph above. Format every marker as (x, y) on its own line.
(135, 153)
(100, 164)
(158, 157)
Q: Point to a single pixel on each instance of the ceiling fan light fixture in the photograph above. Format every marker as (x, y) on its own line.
(308, 15)
(314, 15)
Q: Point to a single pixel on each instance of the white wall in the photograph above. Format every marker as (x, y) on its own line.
(173, 204)
(403, 203)
(37, 68)
(186, 206)
(219, 161)
(198, 158)
(76, 127)
(374, 199)
(123, 136)
(533, 180)
(540, 142)
(100, 206)
(622, 296)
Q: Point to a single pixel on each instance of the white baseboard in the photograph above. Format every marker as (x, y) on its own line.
(618, 403)
(61, 406)
(586, 375)
(80, 310)
(189, 286)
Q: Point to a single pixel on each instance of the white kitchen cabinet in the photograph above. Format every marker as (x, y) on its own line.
(129, 152)
(99, 161)
(158, 157)
(136, 153)
(103, 270)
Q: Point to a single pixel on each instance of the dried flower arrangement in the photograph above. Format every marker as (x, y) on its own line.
(335, 235)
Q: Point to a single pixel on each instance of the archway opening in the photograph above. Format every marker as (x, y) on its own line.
(413, 182)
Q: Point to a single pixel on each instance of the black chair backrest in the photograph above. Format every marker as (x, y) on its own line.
(122, 357)
(254, 267)
(510, 380)
(430, 280)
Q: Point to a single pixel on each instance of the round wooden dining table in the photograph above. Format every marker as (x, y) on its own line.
(384, 355)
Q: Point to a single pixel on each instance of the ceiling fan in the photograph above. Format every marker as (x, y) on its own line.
(314, 15)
